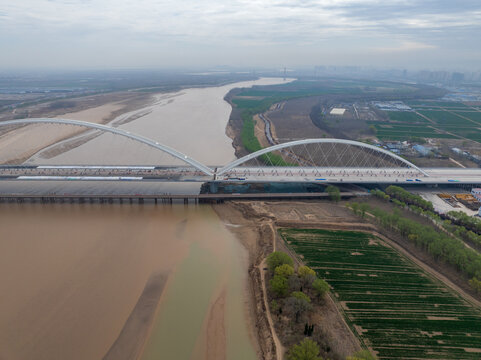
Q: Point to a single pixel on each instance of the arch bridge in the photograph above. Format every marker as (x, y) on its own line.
(309, 160)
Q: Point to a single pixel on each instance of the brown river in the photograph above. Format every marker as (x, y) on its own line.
(72, 276)
(72, 273)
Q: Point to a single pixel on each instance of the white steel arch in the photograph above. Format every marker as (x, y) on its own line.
(258, 153)
(177, 154)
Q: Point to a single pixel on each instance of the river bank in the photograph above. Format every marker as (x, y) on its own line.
(99, 109)
(256, 227)
(72, 292)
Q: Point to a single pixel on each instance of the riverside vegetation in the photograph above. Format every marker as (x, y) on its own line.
(445, 246)
(294, 294)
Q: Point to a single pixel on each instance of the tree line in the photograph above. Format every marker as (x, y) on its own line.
(405, 196)
(293, 292)
(439, 245)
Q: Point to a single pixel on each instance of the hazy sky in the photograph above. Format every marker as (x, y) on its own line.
(269, 33)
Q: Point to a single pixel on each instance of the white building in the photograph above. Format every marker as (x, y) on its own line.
(338, 111)
(476, 192)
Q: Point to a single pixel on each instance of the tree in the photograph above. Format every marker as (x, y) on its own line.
(306, 274)
(274, 306)
(279, 285)
(321, 287)
(355, 207)
(298, 302)
(278, 258)
(294, 282)
(334, 193)
(305, 350)
(303, 271)
(362, 355)
(363, 207)
(284, 270)
(475, 284)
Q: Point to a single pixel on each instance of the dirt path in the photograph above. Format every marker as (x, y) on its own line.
(279, 348)
(457, 163)
(436, 274)
(441, 130)
(462, 117)
(265, 217)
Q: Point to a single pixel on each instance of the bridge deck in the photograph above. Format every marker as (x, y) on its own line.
(270, 196)
(248, 174)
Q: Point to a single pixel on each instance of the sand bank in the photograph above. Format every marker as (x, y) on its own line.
(13, 147)
(258, 223)
(131, 340)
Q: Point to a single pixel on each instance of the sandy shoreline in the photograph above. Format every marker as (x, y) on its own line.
(250, 234)
(258, 233)
(254, 217)
(39, 137)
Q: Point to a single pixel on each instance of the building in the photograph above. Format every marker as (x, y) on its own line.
(338, 111)
(422, 150)
(476, 192)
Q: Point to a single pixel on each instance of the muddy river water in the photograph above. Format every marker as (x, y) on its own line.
(71, 274)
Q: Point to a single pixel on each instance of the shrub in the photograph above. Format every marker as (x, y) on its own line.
(278, 258)
(305, 350)
(284, 270)
(279, 286)
(321, 287)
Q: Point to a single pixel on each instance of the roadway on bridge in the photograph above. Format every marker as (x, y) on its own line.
(354, 175)
(246, 174)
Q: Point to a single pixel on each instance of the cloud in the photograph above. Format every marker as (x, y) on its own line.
(405, 46)
(253, 25)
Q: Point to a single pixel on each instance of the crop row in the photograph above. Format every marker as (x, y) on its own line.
(403, 312)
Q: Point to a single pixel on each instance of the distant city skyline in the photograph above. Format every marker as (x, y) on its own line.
(108, 34)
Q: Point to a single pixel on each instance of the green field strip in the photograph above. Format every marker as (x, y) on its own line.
(474, 115)
(406, 117)
(403, 314)
(443, 117)
(425, 103)
(247, 103)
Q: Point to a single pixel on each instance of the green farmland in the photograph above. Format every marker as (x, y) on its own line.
(390, 303)
(431, 119)
(391, 131)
